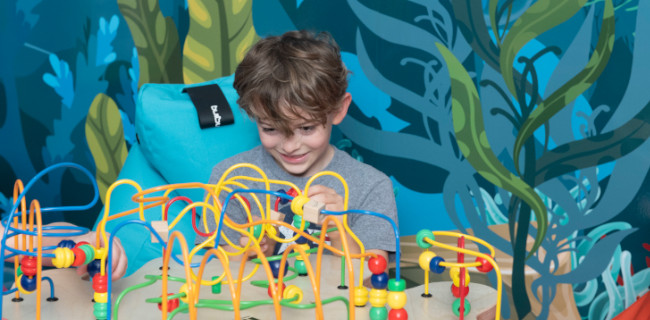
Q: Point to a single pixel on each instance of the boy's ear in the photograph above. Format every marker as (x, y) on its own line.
(343, 109)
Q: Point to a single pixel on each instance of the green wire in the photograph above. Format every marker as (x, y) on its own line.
(225, 305)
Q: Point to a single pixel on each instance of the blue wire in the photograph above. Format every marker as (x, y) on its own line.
(10, 291)
(14, 208)
(392, 223)
(51, 285)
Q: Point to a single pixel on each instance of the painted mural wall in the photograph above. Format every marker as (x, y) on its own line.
(523, 118)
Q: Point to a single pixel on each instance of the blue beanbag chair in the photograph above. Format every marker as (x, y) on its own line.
(173, 148)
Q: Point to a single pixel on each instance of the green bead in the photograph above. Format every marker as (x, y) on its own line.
(100, 310)
(395, 286)
(216, 288)
(257, 230)
(378, 313)
(297, 220)
(455, 307)
(89, 251)
(421, 235)
(19, 272)
(183, 306)
(301, 267)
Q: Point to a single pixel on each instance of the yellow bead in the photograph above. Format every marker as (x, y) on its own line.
(184, 290)
(100, 253)
(63, 257)
(454, 273)
(20, 287)
(305, 247)
(297, 203)
(396, 299)
(360, 296)
(291, 291)
(101, 297)
(425, 259)
(378, 297)
(270, 229)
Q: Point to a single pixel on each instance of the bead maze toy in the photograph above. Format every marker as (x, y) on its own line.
(430, 262)
(387, 297)
(27, 227)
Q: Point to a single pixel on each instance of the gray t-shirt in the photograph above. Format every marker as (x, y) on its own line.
(369, 189)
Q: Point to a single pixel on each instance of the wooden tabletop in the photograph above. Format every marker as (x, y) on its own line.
(75, 294)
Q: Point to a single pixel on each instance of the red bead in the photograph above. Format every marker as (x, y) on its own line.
(100, 283)
(28, 266)
(485, 265)
(81, 243)
(377, 264)
(398, 314)
(279, 293)
(456, 291)
(79, 257)
(171, 304)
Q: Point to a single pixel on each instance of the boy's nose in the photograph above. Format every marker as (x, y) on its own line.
(291, 144)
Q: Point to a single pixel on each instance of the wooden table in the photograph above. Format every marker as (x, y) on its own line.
(75, 294)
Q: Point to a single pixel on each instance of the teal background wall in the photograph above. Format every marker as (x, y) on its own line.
(571, 73)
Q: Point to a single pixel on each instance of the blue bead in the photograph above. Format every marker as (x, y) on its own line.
(379, 281)
(275, 268)
(94, 267)
(282, 199)
(434, 264)
(66, 244)
(28, 284)
(302, 240)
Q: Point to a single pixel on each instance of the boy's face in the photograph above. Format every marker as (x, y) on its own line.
(308, 150)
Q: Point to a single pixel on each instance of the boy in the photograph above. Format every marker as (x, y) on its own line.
(294, 87)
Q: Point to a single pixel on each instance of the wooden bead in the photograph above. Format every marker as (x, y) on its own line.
(377, 264)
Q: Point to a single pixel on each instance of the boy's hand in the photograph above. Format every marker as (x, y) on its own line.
(119, 260)
(332, 200)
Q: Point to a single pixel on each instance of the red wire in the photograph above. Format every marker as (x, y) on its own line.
(189, 201)
(461, 259)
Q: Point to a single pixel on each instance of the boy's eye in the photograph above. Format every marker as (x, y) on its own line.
(268, 129)
(307, 129)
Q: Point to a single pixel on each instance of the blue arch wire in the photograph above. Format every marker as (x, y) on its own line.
(6, 222)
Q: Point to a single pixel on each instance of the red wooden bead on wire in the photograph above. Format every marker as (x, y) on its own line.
(79, 257)
(377, 265)
(28, 266)
(456, 291)
(100, 283)
(171, 304)
(81, 243)
(397, 314)
(485, 265)
(281, 290)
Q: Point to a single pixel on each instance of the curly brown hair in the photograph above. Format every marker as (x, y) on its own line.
(297, 75)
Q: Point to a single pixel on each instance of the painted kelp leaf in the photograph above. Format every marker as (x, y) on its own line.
(156, 39)
(105, 138)
(473, 143)
(574, 87)
(220, 34)
(595, 150)
(539, 18)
